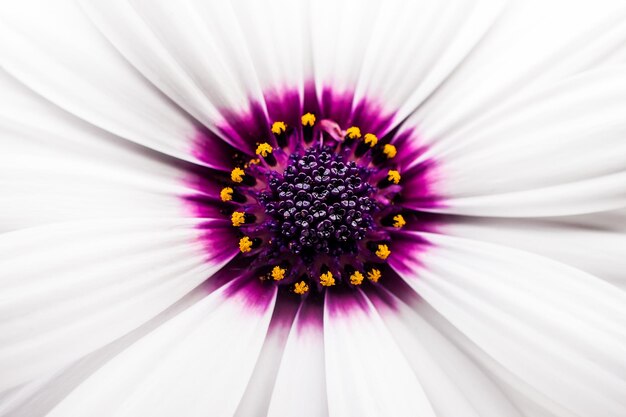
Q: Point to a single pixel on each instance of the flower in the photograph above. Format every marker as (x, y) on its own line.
(322, 208)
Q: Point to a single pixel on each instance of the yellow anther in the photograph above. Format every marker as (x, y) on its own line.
(390, 151)
(371, 139)
(226, 194)
(300, 287)
(238, 218)
(383, 252)
(278, 127)
(252, 162)
(245, 244)
(356, 278)
(393, 176)
(278, 273)
(237, 174)
(374, 275)
(308, 119)
(264, 149)
(398, 221)
(327, 279)
(353, 132)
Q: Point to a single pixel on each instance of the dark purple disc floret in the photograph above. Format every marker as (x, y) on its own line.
(320, 205)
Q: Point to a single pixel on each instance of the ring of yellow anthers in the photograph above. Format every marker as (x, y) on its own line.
(280, 272)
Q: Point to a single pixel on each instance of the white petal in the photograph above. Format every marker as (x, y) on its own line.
(454, 384)
(300, 387)
(523, 397)
(56, 167)
(554, 151)
(366, 372)
(558, 330)
(70, 288)
(277, 35)
(38, 397)
(533, 45)
(197, 59)
(415, 46)
(59, 53)
(595, 243)
(340, 34)
(196, 364)
(256, 399)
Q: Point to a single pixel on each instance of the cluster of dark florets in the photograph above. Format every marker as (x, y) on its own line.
(320, 204)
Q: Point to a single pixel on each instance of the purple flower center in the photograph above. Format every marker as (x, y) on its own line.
(315, 209)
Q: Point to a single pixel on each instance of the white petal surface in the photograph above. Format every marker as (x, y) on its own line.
(510, 390)
(38, 397)
(414, 46)
(561, 332)
(277, 37)
(340, 34)
(595, 243)
(256, 399)
(69, 288)
(532, 45)
(554, 151)
(300, 387)
(192, 51)
(454, 384)
(56, 167)
(366, 372)
(196, 364)
(55, 50)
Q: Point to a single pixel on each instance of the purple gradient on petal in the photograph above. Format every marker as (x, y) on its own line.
(337, 106)
(419, 184)
(209, 148)
(370, 117)
(343, 303)
(256, 296)
(218, 240)
(380, 295)
(408, 248)
(244, 130)
(310, 317)
(419, 180)
(285, 107)
(284, 313)
(310, 103)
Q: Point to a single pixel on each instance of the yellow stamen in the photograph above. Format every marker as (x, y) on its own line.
(237, 174)
(374, 275)
(383, 252)
(353, 132)
(398, 221)
(252, 162)
(356, 278)
(390, 151)
(264, 149)
(278, 127)
(226, 194)
(393, 176)
(278, 273)
(371, 139)
(300, 288)
(245, 244)
(238, 218)
(308, 119)
(327, 279)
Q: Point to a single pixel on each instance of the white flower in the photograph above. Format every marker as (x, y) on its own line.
(123, 291)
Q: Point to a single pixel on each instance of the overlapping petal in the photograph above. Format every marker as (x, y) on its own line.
(71, 288)
(559, 331)
(199, 362)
